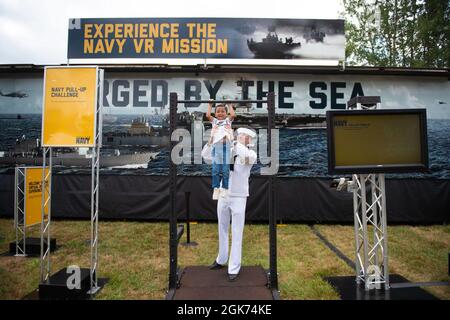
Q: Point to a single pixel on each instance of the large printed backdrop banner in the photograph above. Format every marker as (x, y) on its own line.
(236, 38)
(70, 98)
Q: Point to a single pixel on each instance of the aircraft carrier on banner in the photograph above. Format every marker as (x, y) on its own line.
(136, 147)
(28, 152)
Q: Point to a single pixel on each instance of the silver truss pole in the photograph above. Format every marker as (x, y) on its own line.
(385, 232)
(92, 266)
(358, 226)
(19, 211)
(374, 194)
(95, 179)
(371, 230)
(45, 266)
(94, 221)
(364, 225)
(370, 224)
(24, 213)
(16, 211)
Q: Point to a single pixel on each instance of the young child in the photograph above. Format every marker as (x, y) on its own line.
(221, 138)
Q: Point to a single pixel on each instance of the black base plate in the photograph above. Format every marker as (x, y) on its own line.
(202, 283)
(349, 290)
(33, 246)
(56, 286)
(34, 295)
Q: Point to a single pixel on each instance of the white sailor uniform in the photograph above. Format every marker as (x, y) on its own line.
(233, 207)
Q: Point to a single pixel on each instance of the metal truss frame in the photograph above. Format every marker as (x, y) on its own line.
(19, 210)
(369, 205)
(45, 261)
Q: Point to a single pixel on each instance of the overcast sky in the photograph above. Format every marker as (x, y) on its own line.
(35, 31)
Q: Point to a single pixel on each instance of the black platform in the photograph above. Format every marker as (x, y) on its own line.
(56, 286)
(201, 283)
(33, 246)
(348, 289)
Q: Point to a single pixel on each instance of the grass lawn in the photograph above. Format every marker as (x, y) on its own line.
(134, 256)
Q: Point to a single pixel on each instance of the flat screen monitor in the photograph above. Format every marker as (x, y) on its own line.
(377, 141)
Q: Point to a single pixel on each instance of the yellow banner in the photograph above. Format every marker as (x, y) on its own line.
(69, 107)
(377, 139)
(33, 196)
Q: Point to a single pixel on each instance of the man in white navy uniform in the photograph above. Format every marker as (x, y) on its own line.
(232, 206)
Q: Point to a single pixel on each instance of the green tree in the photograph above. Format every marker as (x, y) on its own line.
(402, 33)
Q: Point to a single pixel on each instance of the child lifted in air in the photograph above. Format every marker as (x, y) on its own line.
(221, 138)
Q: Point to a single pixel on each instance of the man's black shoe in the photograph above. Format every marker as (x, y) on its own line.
(232, 277)
(215, 266)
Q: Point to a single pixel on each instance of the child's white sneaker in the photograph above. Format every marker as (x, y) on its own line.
(216, 193)
(223, 193)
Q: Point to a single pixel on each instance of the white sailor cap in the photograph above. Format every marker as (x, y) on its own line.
(247, 132)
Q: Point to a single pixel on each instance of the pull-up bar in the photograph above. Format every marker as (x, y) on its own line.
(222, 101)
(174, 271)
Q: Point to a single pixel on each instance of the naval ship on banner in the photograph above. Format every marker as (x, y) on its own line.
(273, 47)
(137, 147)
